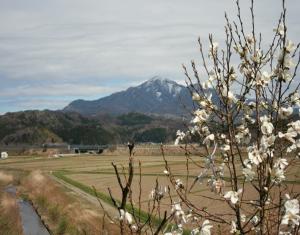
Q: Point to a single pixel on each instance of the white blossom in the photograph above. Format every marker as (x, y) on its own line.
(285, 63)
(239, 50)
(195, 231)
(294, 146)
(267, 142)
(243, 134)
(223, 136)
(280, 29)
(288, 62)
(233, 227)
(289, 136)
(206, 102)
(196, 96)
(180, 136)
(243, 218)
(285, 75)
(212, 76)
(208, 139)
(233, 196)
(178, 213)
(291, 212)
(281, 163)
(158, 193)
(257, 56)
(178, 184)
(206, 84)
(291, 148)
(284, 233)
(213, 49)
(125, 216)
(295, 98)
(285, 112)
(200, 116)
(174, 233)
(216, 185)
(254, 220)
(252, 105)
(279, 175)
(225, 148)
(290, 46)
(249, 119)
(194, 129)
(249, 174)
(232, 74)
(263, 79)
(266, 127)
(134, 227)
(247, 163)
(295, 126)
(254, 155)
(204, 131)
(228, 94)
(205, 228)
(250, 39)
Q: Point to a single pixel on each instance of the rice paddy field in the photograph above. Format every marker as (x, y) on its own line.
(86, 171)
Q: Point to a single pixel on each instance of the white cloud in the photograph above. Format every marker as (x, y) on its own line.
(31, 103)
(111, 43)
(57, 90)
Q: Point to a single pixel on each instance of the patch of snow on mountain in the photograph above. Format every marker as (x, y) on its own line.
(158, 96)
(177, 90)
(159, 86)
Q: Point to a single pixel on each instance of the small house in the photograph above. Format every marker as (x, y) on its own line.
(4, 155)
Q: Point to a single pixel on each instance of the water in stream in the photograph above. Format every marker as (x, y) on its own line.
(31, 222)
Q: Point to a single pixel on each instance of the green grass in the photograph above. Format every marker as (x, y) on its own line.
(42, 202)
(54, 212)
(62, 226)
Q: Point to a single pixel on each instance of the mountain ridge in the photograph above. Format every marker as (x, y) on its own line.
(160, 96)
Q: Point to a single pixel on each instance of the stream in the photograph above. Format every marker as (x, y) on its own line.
(31, 222)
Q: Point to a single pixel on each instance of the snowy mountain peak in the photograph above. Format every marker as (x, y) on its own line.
(157, 95)
(159, 80)
(162, 86)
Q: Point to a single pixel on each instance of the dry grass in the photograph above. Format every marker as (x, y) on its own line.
(151, 150)
(10, 221)
(62, 211)
(5, 178)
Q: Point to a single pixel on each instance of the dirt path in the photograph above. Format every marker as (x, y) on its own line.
(110, 210)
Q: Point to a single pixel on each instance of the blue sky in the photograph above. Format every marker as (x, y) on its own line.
(55, 51)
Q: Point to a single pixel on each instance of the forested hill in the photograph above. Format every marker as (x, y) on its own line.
(38, 127)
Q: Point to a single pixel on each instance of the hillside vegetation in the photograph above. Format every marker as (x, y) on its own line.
(38, 127)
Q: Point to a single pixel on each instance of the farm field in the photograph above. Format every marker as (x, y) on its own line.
(85, 171)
